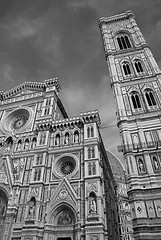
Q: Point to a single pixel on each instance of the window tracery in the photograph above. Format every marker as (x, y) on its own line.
(135, 100)
(150, 98)
(138, 66)
(123, 41)
(126, 68)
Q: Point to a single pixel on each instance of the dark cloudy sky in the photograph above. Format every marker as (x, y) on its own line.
(40, 39)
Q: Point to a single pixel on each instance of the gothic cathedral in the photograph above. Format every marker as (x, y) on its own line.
(136, 84)
(56, 182)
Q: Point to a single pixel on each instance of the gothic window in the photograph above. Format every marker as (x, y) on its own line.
(90, 131)
(48, 102)
(76, 137)
(42, 138)
(91, 152)
(47, 111)
(37, 174)
(124, 42)
(52, 139)
(126, 68)
(138, 66)
(19, 145)
(47, 106)
(57, 139)
(26, 144)
(66, 138)
(33, 144)
(135, 100)
(92, 168)
(150, 98)
(39, 159)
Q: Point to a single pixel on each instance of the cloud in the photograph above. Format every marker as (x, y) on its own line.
(7, 74)
(22, 28)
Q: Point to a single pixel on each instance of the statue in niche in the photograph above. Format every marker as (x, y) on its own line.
(141, 166)
(76, 137)
(26, 146)
(66, 139)
(18, 167)
(64, 218)
(92, 205)
(32, 205)
(156, 165)
(57, 140)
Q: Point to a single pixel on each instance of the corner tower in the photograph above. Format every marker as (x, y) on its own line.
(136, 84)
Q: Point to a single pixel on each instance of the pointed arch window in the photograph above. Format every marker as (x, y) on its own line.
(124, 42)
(150, 98)
(135, 100)
(126, 68)
(138, 66)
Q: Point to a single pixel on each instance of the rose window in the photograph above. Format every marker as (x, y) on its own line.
(67, 167)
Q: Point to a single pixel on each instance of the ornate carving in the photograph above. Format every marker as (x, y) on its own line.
(3, 175)
(92, 187)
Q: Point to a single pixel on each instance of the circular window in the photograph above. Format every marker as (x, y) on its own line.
(66, 165)
(18, 119)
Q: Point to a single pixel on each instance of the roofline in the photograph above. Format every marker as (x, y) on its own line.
(116, 18)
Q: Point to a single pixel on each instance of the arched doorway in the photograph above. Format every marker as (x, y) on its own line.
(3, 208)
(63, 220)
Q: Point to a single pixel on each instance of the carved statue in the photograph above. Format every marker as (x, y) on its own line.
(92, 206)
(32, 209)
(141, 166)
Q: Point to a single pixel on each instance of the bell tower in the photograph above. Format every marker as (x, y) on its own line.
(136, 84)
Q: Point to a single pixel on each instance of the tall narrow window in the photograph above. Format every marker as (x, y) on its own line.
(138, 66)
(126, 68)
(90, 131)
(124, 42)
(37, 174)
(136, 101)
(150, 98)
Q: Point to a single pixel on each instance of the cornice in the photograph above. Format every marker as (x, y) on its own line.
(116, 18)
(33, 86)
(62, 124)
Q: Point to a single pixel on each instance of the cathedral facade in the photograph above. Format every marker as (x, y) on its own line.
(56, 182)
(136, 84)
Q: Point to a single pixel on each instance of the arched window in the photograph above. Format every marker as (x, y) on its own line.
(135, 100)
(33, 144)
(39, 159)
(126, 68)
(19, 145)
(91, 152)
(37, 174)
(26, 144)
(138, 66)
(90, 131)
(150, 98)
(48, 102)
(124, 42)
(42, 138)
